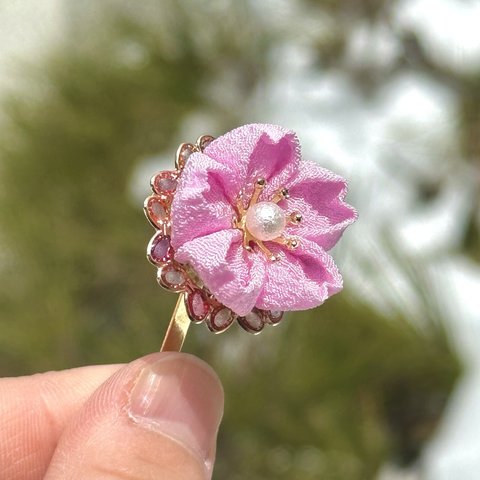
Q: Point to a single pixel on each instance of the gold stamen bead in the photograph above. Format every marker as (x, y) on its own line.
(261, 182)
(284, 193)
(296, 217)
(293, 243)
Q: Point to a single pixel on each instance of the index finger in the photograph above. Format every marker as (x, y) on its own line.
(34, 411)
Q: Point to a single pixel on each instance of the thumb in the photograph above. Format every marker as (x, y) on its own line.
(156, 418)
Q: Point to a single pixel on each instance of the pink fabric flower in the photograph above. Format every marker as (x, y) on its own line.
(207, 233)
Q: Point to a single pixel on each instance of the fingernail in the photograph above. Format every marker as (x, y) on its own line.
(179, 396)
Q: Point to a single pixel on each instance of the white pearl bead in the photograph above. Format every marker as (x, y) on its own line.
(265, 221)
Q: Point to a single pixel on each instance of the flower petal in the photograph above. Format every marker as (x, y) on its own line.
(200, 206)
(302, 278)
(232, 274)
(257, 150)
(318, 195)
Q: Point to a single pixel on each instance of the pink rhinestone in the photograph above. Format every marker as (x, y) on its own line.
(221, 319)
(183, 153)
(186, 152)
(252, 322)
(205, 141)
(165, 183)
(273, 317)
(159, 249)
(172, 277)
(197, 306)
(175, 277)
(157, 210)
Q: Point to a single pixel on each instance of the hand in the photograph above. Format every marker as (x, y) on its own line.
(154, 418)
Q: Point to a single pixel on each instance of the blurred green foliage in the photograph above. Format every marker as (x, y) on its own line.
(334, 393)
(331, 393)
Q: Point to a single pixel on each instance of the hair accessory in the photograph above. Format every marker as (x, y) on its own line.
(243, 226)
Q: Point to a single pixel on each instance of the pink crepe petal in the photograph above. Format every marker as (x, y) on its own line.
(302, 278)
(257, 150)
(232, 274)
(203, 208)
(318, 194)
(200, 206)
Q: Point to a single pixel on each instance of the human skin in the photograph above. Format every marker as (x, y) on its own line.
(154, 418)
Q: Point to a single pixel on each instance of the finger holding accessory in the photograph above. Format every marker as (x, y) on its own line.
(157, 417)
(34, 411)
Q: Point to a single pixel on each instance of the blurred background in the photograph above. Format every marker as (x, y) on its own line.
(383, 381)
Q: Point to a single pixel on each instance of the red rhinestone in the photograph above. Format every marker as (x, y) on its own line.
(197, 305)
(159, 250)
